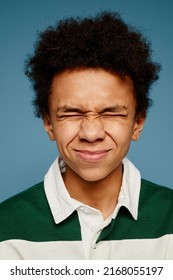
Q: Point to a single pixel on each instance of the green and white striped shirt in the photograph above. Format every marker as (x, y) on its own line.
(44, 222)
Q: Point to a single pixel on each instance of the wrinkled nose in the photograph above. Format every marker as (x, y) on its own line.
(91, 130)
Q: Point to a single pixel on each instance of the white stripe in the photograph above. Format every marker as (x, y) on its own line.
(149, 249)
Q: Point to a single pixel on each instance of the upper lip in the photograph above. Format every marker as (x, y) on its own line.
(92, 152)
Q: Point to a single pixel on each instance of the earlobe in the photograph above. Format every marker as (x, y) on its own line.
(48, 127)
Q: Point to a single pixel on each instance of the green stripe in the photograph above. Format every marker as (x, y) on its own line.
(27, 216)
(155, 217)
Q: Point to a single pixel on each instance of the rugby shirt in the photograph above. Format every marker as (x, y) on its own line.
(45, 223)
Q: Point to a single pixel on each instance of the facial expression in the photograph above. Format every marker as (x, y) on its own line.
(93, 120)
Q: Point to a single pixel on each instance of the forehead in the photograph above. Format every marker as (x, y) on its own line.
(91, 89)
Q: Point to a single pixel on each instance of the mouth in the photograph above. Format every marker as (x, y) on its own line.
(91, 156)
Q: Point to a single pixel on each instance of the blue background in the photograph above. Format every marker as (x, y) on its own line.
(25, 150)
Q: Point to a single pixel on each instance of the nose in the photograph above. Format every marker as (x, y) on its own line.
(91, 130)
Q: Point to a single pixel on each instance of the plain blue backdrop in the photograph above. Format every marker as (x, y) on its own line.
(25, 150)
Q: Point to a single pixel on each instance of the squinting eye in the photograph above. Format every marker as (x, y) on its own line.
(69, 116)
(114, 115)
(72, 116)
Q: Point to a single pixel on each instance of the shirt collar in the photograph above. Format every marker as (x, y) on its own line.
(130, 189)
(59, 200)
(62, 205)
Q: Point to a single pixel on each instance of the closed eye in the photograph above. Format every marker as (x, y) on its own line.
(114, 115)
(67, 116)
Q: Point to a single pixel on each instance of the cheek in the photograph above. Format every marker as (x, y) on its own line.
(120, 133)
(65, 134)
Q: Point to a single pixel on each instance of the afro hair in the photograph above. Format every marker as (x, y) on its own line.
(104, 41)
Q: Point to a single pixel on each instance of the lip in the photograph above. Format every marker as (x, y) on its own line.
(91, 156)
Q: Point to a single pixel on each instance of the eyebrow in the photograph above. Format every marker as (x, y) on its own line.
(110, 109)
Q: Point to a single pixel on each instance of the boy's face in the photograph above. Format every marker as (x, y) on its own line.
(92, 119)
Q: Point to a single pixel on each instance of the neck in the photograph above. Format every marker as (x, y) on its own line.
(102, 194)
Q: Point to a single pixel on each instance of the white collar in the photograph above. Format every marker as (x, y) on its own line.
(62, 205)
(130, 188)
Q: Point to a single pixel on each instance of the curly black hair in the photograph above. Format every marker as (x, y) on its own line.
(104, 41)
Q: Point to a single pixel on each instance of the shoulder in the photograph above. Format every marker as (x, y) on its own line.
(149, 188)
(156, 200)
(23, 204)
(22, 198)
(23, 213)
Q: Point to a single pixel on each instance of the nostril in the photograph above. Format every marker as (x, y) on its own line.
(90, 140)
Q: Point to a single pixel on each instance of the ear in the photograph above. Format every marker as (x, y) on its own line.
(48, 127)
(138, 126)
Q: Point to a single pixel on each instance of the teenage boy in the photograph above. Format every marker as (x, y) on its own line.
(91, 78)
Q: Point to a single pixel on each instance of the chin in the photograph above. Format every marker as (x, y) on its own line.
(93, 176)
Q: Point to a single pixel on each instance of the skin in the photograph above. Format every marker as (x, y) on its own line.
(92, 118)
